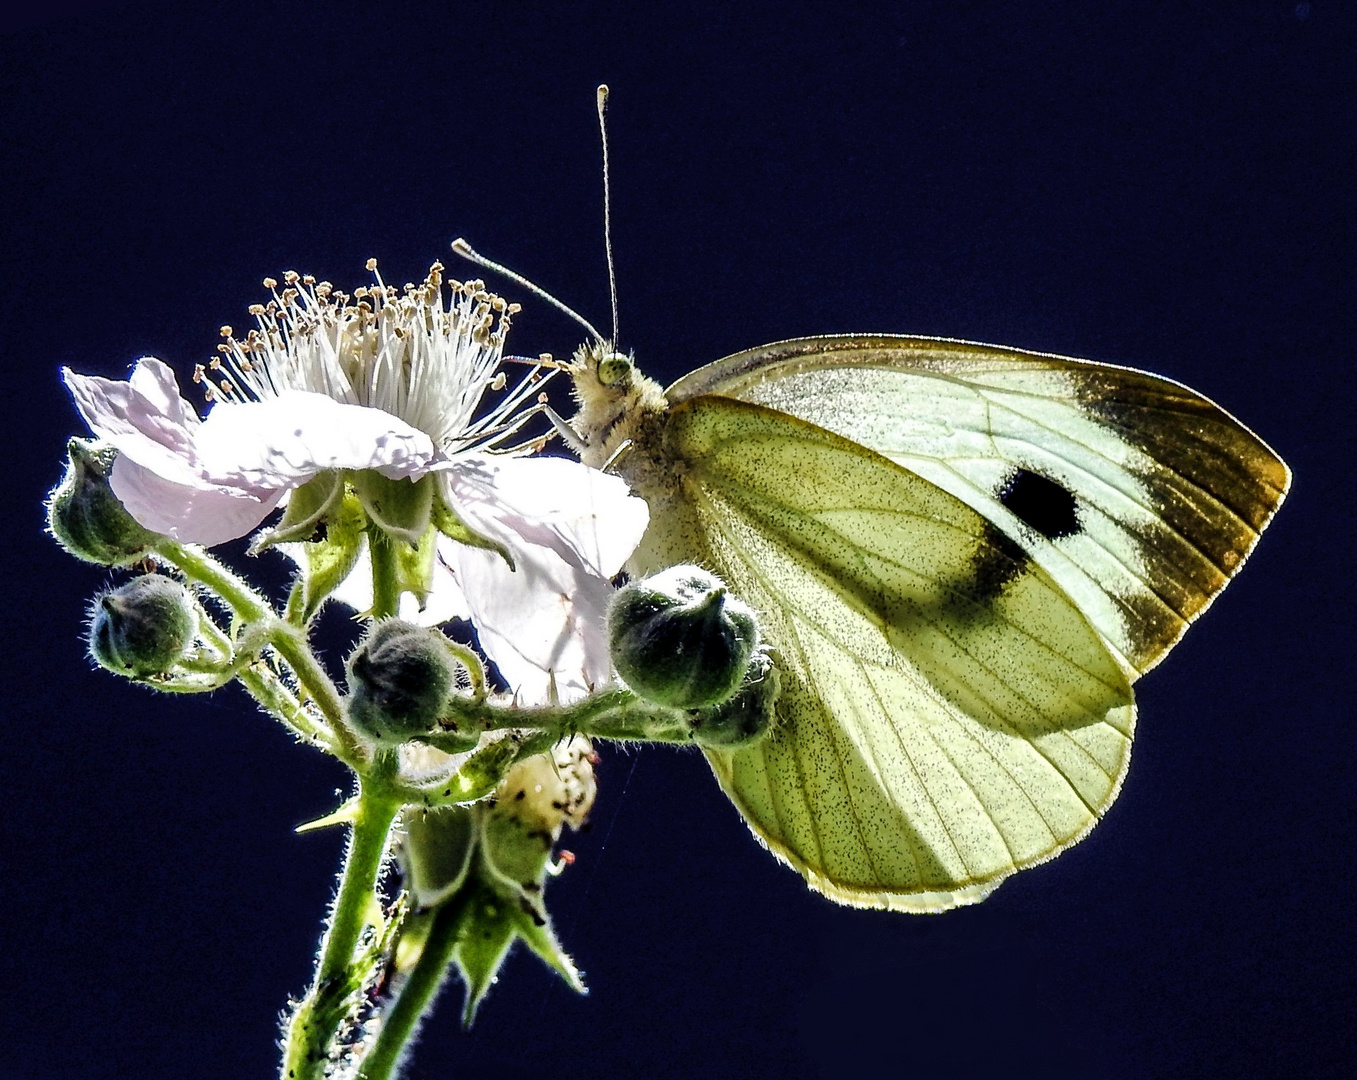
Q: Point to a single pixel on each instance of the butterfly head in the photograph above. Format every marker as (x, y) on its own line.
(613, 396)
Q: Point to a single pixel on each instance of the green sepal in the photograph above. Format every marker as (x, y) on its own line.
(516, 847)
(435, 854)
(326, 563)
(414, 566)
(541, 939)
(400, 678)
(487, 929)
(143, 628)
(475, 874)
(84, 515)
(401, 508)
(446, 521)
(306, 507)
(492, 914)
(345, 814)
(452, 742)
(747, 716)
(679, 638)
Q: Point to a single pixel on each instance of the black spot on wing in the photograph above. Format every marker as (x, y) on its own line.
(1040, 503)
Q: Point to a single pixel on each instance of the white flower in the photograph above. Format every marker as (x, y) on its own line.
(390, 381)
(570, 529)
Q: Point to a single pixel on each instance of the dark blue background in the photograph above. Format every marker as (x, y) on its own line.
(1161, 184)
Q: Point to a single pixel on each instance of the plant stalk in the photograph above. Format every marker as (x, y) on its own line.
(312, 1034)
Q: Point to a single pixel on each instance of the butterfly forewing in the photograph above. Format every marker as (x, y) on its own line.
(1140, 497)
(948, 713)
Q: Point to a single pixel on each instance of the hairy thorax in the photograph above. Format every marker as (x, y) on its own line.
(619, 407)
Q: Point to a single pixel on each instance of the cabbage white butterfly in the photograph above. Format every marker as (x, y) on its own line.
(963, 556)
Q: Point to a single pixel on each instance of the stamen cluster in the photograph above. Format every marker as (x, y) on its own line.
(406, 352)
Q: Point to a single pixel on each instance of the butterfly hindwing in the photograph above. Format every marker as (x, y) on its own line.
(948, 714)
(1139, 496)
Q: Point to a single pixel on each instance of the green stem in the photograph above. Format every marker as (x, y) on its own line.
(312, 1032)
(386, 590)
(201, 567)
(416, 992)
(275, 698)
(614, 713)
(292, 646)
(289, 642)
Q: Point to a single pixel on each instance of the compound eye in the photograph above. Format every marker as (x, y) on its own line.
(615, 369)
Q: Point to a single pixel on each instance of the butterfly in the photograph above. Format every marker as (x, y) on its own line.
(962, 555)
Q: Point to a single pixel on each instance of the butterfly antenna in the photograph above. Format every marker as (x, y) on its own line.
(607, 204)
(470, 254)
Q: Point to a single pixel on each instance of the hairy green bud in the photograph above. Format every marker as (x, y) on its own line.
(680, 639)
(746, 716)
(86, 517)
(143, 627)
(400, 678)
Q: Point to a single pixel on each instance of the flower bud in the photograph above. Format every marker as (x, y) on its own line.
(680, 639)
(745, 717)
(143, 627)
(399, 682)
(86, 517)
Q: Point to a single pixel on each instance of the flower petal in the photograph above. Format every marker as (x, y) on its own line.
(285, 440)
(586, 516)
(542, 623)
(570, 528)
(214, 480)
(196, 512)
(153, 380)
(144, 417)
